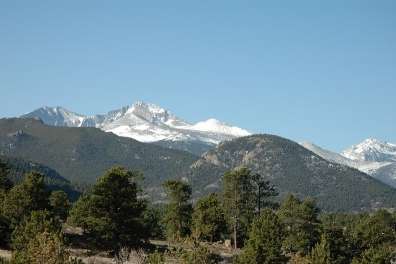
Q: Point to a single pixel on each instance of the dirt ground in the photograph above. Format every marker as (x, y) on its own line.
(78, 249)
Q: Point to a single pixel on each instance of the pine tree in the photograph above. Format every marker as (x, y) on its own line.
(301, 222)
(5, 183)
(28, 230)
(289, 214)
(380, 228)
(5, 186)
(178, 210)
(112, 215)
(24, 198)
(265, 241)
(380, 254)
(49, 248)
(60, 204)
(79, 213)
(265, 192)
(320, 253)
(239, 201)
(308, 225)
(115, 211)
(209, 218)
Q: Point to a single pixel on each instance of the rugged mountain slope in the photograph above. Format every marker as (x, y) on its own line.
(366, 157)
(292, 169)
(84, 154)
(53, 180)
(147, 123)
(372, 150)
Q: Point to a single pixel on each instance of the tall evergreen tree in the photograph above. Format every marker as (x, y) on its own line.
(5, 186)
(320, 253)
(265, 241)
(114, 212)
(301, 222)
(209, 218)
(79, 212)
(60, 204)
(289, 214)
(178, 210)
(239, 201)
(377, 229)
(26, 197)
(265, 192)
(28, 230)
(5, 183)
(308, 225)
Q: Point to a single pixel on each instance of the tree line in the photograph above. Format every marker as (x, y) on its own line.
(115, 216)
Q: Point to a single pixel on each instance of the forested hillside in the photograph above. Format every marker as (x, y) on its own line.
(115, 222)
(292, 169)
(84, 154)
(81, 155)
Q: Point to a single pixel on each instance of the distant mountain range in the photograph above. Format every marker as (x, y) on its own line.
(83, 154)
(147, 122)
(374, 157)
(292, 169)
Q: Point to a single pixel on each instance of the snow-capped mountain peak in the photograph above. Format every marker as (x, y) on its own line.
(57, 116)
(155, 114)
(372, 150)
(146, 122)
(372, 156)
(214, 125)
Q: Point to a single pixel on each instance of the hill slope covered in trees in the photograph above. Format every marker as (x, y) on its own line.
(84, 154)
(292, 169)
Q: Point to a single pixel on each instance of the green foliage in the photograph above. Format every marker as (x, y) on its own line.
(337, 243)
(24, 198)
(53, 180)
(59, 204)
(238, 198)
(265, 193)
(199, 254)
(320, 253)
(156, 258)
(301, 222)
(83, 154)
(209, 218)
(289, 213)
(151, 219)
(79, 213)
(309, 224)
(377, 229)
(114, 212)
(265, 241)
(292, 169)
(5, 186)
(178, 210)
(380, 254)
(5, 183)
(28, 230)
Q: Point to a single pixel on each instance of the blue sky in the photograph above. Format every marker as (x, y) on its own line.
(310, 70)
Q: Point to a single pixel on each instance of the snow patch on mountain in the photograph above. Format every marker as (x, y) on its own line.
(213, 125)
(371, 150)
(381, 167)
(144, 122)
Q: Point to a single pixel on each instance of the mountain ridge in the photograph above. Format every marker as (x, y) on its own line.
(146, 122)
(292, 169)
(84, 154)
(373, 157)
